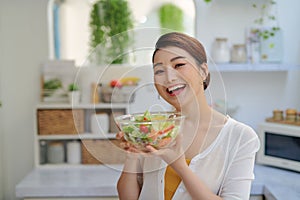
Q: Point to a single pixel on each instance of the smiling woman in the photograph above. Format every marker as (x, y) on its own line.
(69, 31)
(213, 156)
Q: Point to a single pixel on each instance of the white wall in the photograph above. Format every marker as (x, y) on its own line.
(1, 118)
(1, 115)
(24, 46)
(257, 94)
(1, 148)
(74, 24)
(230, 18)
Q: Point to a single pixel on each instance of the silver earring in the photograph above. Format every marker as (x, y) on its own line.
(158, 97)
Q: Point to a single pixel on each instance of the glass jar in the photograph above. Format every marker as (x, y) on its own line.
(43, 152)
(220, 51)
(238, 53)
(291, 115)
(298, 118)
(56, 152)
(277, 115)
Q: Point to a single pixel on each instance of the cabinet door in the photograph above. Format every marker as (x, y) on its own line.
(94, 198)
(1, 148)
(256, 197)
(102, 151)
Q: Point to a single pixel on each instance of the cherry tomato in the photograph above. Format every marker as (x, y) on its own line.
(115, 83)
(144, 129)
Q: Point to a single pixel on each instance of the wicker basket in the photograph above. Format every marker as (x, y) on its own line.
(60, 121)
(102, 152)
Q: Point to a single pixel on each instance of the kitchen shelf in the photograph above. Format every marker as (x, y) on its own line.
(248, 67)
(77, 136)
(55, 124)
(82, 106)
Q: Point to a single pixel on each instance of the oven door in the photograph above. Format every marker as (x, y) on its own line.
(280, 146)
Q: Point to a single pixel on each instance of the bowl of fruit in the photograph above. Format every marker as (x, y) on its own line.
(158, 129)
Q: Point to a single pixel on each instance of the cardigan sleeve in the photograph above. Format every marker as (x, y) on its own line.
(239, 176)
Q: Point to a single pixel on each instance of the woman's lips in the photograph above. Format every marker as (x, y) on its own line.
(176, 89)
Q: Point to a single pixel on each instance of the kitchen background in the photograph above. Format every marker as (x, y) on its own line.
(24, 46)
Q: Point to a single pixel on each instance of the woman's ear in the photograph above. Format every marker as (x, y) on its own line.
(204, 71)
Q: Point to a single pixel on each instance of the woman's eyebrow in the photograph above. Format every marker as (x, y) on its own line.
(156, 64)
(175, 58)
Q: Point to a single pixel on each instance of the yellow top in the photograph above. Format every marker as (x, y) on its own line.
(172, 181)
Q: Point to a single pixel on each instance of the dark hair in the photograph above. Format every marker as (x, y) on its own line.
(187, 43)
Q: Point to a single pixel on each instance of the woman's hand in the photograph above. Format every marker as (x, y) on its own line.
(126, 145)
(172, 155)
(132, 154)
(129, 183)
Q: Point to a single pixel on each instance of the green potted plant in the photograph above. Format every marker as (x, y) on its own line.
(171, 17)
(266, 17)
(50, 86)
(110, 21)
(74, 93)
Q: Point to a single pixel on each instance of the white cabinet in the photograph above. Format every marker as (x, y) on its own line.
(59, 125)
(256, 197)
(100, 198)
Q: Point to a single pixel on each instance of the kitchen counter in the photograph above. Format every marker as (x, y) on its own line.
(276, 183)
(100, 181)
(88, 181)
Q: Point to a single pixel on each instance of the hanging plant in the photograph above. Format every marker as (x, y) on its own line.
(109, 18)
(171, 17)
(265, 18)
(268, 32)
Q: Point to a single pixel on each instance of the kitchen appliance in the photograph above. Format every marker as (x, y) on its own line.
(280, 146)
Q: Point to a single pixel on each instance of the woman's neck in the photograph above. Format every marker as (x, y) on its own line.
(202, 125)
(198, 111)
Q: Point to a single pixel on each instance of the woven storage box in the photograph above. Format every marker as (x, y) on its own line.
(102, 152)
(60, 121)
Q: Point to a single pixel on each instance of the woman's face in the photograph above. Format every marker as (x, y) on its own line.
(177, 77)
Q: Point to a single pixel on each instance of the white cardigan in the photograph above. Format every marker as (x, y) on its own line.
(226, 166)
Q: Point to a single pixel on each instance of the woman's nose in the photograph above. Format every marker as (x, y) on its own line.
(171, 74)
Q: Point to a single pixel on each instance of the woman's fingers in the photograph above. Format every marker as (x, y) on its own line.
(120, 135)
(151, 149)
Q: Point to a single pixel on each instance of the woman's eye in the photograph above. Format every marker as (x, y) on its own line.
(179, 65)
(158, 71)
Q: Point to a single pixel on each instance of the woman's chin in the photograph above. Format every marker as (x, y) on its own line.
(178, 100)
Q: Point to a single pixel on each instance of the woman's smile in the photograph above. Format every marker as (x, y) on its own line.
(175, 90)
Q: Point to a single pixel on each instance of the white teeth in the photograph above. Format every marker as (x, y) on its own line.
(175, 87)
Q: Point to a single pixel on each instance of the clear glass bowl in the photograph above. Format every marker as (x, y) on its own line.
(158, 129)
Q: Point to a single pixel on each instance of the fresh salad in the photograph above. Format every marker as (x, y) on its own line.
(156, 129)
